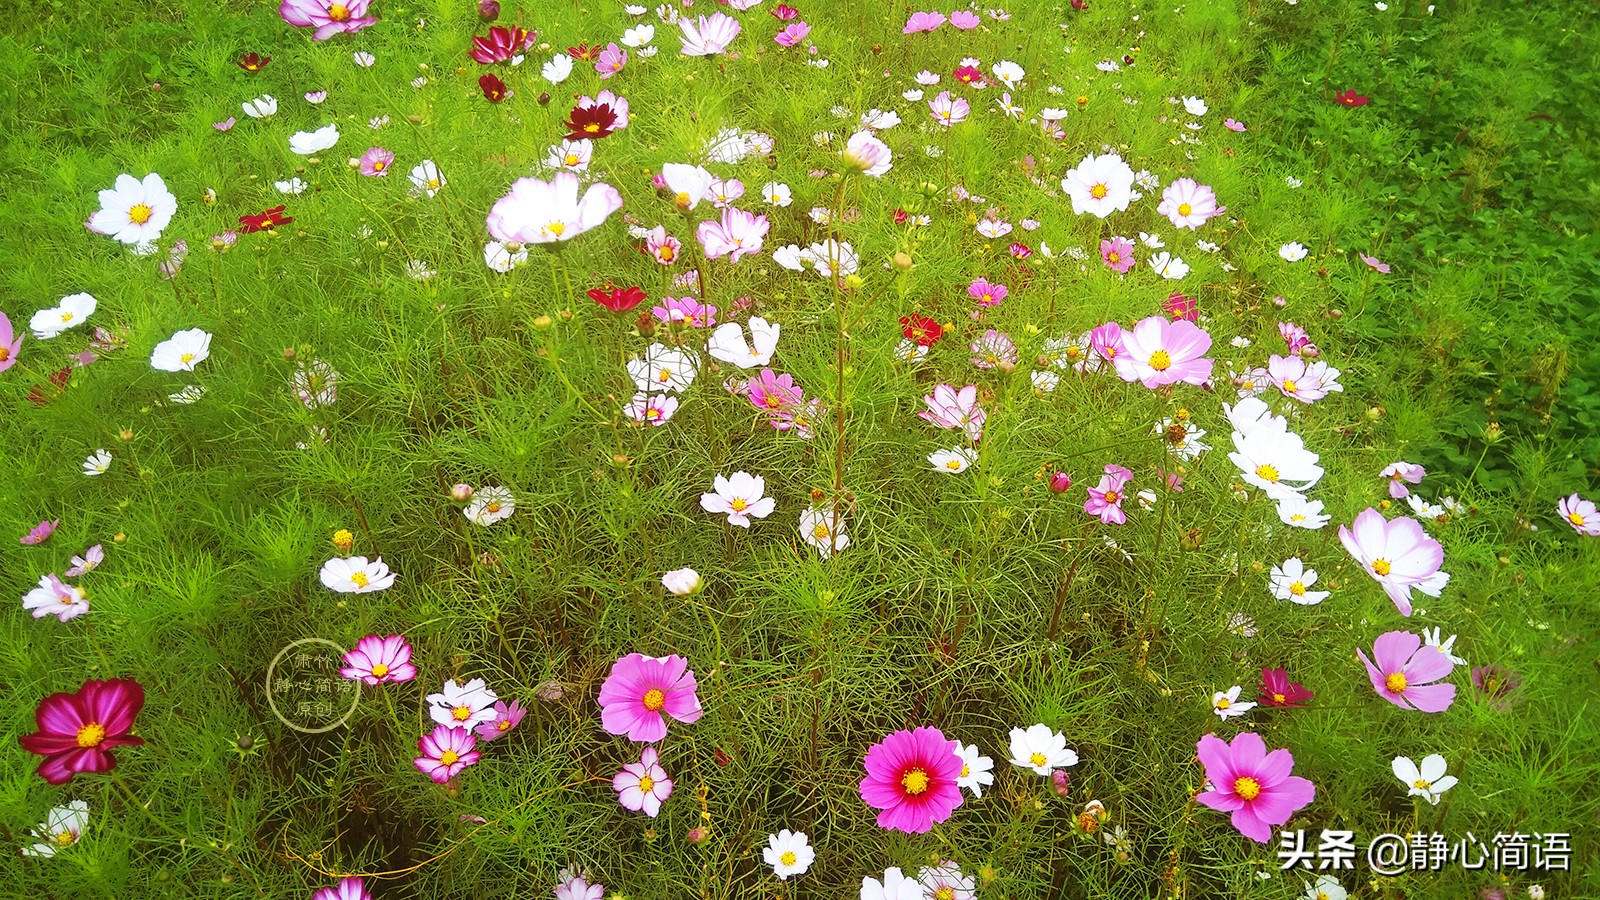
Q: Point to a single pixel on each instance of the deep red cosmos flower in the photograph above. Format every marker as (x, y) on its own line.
(1351, 98)
(502, 44)
(784, 12)
(591, 122)
(493, 88)
(618, 299)
(77, 731)
(58, 378)
(253, 62)
(584, 52)
(1278, 690)
(269, 219)
(925, 331)
(969, 75)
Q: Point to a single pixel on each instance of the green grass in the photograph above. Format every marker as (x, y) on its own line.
(1468, 173)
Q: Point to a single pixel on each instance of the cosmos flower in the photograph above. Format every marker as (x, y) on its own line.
(355, 575)
(992, 350)
(1227, 705)
(1400, 474)
(1040, 749)
(618, 299)
(985, 293)
(1349, 98)
(663, 369)
(1300, 380)
(306, 143)
(62, 828)
(328, 17)
(740, 496)
(501, 44)
(1581, 514)
(97, 463)
(1099, 185)
(1291, 581)
(788, 853)
(823, 530)
(1398, 554)
(445, 752)
(1494, 684)
(557, 69)
(737, 234)
(572, 885)
(1189, 204)
(1293, 251)
(642, 691)
(490, 505)
(506, 717)
(681, 582)
(262, 107)
(687, 184)
(88, 562)
(54, 597)
(39, 533)
(1294, 509)
(643, 786)
(651, 409)
(728, 344)
(1257, 787)
(953, 461)
(351, 888)
(252, 223)
(1105, 499)
(949, 407)
(540, 212)
(611, 61)
(947, 110)
(77, 731)
(182, 352)
(866, 154)
(1158, 352)
(911, 780)
(1117, 254)
(708, 36)
(1403, 671)
(771, 392)
(462, 706)
(923, 21)
(792, 34)
(1276, 460)
(1382, 268)
(379, 660)
(1278, 690)
(946, 880)
(134, 211)
(1428, 780)
(10, 343)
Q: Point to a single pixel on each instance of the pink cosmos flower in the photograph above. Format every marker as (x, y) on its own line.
(911, 779)
(1257, 787)
(1300, 380)
(1295, 337)
(1188, 204)
(506, 717)
(1177, 306)
(800, 420)
(985, 293)
(1106, 342)
(952, 408)
(77, 731)
(1382, 268)
(1157, 352)
(641, 690)
(611, 61)
(53, 597)
(1403, 671)
(688, 310)
(545, 212)
(375, 162)
(1019, 250)
(1105, 500)
(783, 12)
(226, 124)
(651, 409)
(1398, 555)
(351, 888)
(445, 752)
(1233, 124)
(575, 886)
(793, 34)
(993, 349)
(737, 234)
(1117, 253)
(40, 532)
(964, 19)
(328, 17)
(662, 247)
(502, 45)
(708, 36)
(643, 786)
(868, 155)
(1581, 514)
(10, 343)
(772, 393)
(88, 562)
(948, 111)
(723, 191)
(923, 21)
(1399, 473)
(379, 660)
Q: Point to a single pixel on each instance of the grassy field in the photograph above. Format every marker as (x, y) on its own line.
(407, 362)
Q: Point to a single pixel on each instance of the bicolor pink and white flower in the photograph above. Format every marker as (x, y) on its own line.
(1400, 474)
(328, 17)
(1398, 554)
(1158, 351)
(445, 752)
(1301, 380)
(950, 407)
(54, 597)
(462, 705)
(380, 660)
(1581, 514)
(545, 212)
(1188, 204)
(947, 110)
(738, 233)
(643, 786)
(740, 497)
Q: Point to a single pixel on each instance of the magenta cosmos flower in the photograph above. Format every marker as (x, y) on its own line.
(1188, 204)
(1158, 351)
(772, 393)
(379, 660)
(986, 293)
(506, 717)
(328, 17)
(545, 212)
(1398, 555)
(40, 532)
(375, 162)
(502, 44)
(78, 731)
(643, 786)
(445, 752)
(10, 344)
(1117, 253)
(1403, 671)
(1581, 514)
(1256, 786)
(1105, 341)
(642, 691)
(1105, 500)
(351, 888)
(792, 34)
(911, 779)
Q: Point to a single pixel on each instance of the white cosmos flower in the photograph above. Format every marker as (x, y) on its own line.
(355, 575)
(681, 582)
(1008, 73)
(290, 187)
(1292, 252)
(1099, 185)
(1169, 266)
(651, 409)
(54, 597)
(547, 212)
(134, 211)
(1428, 780)
(820, 529)
(727, 343)
(1194, 106)
(639, 35)
(913, 95)
(896, 885)
(305, 143)
(1326, 887)
(490, 505)
(1227, 705)
(1275, 461)
(72, 311)
(1044, 382)
(188, 395)
(557, 69)
(663, 369)
(688, 184)
(879, 120)
(953, 461)
(498, 258)
(1430, 638)
(97, 463)
(571, 155)
(261, 107)
(62, 828)
(1040, 749)
(182, 352)
(1292, 580)
(462, 706)
(788, 853)
(977, 770)
(777, 193)
(1252, 414)
(739, 496)
(426, 178)
(363, 59)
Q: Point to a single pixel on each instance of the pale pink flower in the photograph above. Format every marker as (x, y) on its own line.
(1300, 380)
(964, 19)
(1399, 474)
(540, 212)
(1158, 351)
(611, 61)
(737, 234)
(1403, 671)
(1382, 268)
(1188, 204)
(1117, 253)
(643, 786)
(651, 409)
(1399, 555)
(772, 393)
(1581, 514)
(993, 349)
(923, 21)
(1105, 342)
(690, 311)
(662, 247)
(868, 155)
(949, 407)
(328, 17)
(947, 110)
(375, 162)
(708, 36)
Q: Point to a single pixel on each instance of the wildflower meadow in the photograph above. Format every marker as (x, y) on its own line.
(731, 448)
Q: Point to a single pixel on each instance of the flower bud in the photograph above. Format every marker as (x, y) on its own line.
(119, 538)
(461, 493)
(125, 435)
(543, 323)
(1279, 302)
(681, 582)
(1060, 481)
(902, 260)
(698, 834)
(488, 10)
(343, 540)
(1061, 782)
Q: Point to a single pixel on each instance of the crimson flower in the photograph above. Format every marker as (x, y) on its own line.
(253, 62)
(493, 88)
(584, 52)
(269, 219)
(77, 731)
(1278, 690)
(1180, 307)
(968, 75)
(590, 122)
(58, 378)
(784, 12)
(925, 331)
(502, 44)
(618, 299)
(1351, 98)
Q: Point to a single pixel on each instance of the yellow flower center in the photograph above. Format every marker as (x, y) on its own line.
(377, 165)
(359, 579)
(1184, 209)
(186, 358)
(1267, 473)
(66, 317)
(945, 892)
(915, 782)
(1289, 386)
(433, 184)
(1298, 589)
(788, 858)
(1073, 353)
(738, 504)
(91, 735)
(820, 532)
(1038, 759)
(1223, 703)
(1297, 517)
(592, 128)
(503, 725)
(338, 12)
(556, 228)
(953, 465)
(1099, 191)
(1396, 683)
(646, 783)
(1113, 257)
(652, 413)
(966, 770)
(1161, 360)
(461, 713)
(664, 376)
(380, 670)
(1279, 698)
(449, 757)
(140, 213)
(1381, 566)
(5, 354)
(1421, 784)
(666, 254)
(1247, 788)
(654, 699)
(1575, 518)
(493, 507)
(67, 838)
(1113, 497)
